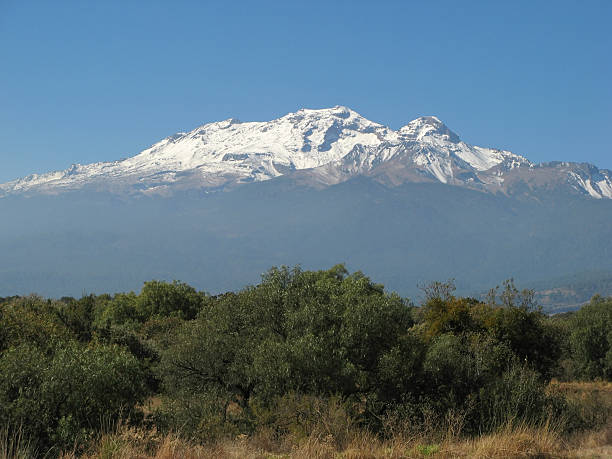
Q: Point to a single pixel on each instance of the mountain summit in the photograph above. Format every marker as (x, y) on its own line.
(427, 127)
(318, 147)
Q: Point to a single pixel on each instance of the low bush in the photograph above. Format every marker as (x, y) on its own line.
(64, 399)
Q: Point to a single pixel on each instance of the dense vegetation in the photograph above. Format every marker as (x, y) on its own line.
(280, 354)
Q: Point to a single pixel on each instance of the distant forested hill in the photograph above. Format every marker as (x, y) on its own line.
(570, 292)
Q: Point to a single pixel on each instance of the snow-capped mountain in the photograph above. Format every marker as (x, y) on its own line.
(320, 147)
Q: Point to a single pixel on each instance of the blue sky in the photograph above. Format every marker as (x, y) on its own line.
(83, 82)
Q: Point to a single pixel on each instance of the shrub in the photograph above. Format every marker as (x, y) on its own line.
(164, 299)
(450, 371)
(31, 320)
(64, 398)
(301, 416)
(518, 396)
(202, 417)
(591, 339)
(533, 339)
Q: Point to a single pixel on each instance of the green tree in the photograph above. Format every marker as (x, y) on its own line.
(163, 299)
(118, 310)
(519, 323)
(31, 320)
(317, 332)
(530, 336)
(591, 339)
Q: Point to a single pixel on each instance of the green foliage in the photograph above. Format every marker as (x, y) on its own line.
(203, 416)
(400, 369)
(77, 315)
(156, 300)
(521, 324)
(327, 332)
(119, 310)
(514, 321)
(591, 340)
(301, 352)
(303, 415)
(64, 398)
(450, 370)
(530, 336)
(428, 450)
(321, 332)
(126, 337)
(520, 396)
(31, 320)
(450, 315)
(163, 299)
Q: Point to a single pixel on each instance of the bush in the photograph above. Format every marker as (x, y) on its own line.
(64, 398)
(301, 416)
(202, 417)
(31, 320)
(520, 397)
(530, 336)
(164, 299)
(591, 339)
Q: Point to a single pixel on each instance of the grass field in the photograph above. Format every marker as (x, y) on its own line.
(594, 398)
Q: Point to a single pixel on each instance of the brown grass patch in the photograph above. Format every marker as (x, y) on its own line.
(333, 436)
(512, 441)
(604, 387)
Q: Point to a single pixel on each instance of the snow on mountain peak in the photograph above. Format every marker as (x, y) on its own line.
(338, 116)
(229, 152)
(426, 127)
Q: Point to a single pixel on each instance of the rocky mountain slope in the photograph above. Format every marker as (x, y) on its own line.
(318, 148)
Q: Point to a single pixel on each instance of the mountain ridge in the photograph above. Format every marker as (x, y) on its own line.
(331, 145)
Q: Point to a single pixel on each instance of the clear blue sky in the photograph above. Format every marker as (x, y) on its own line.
(83, 82)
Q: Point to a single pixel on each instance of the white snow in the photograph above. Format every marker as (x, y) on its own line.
(231, 151)
(439, 167)
(602, 188)
(301, 140)
(605, 186)
(430, 130)
(590, 189)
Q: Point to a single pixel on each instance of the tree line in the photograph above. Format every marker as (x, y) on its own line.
(271, 354)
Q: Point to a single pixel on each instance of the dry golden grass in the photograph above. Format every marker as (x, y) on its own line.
(596, 443)
(13, 444)
(604, 387)
(512, 441)
(349, 442)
